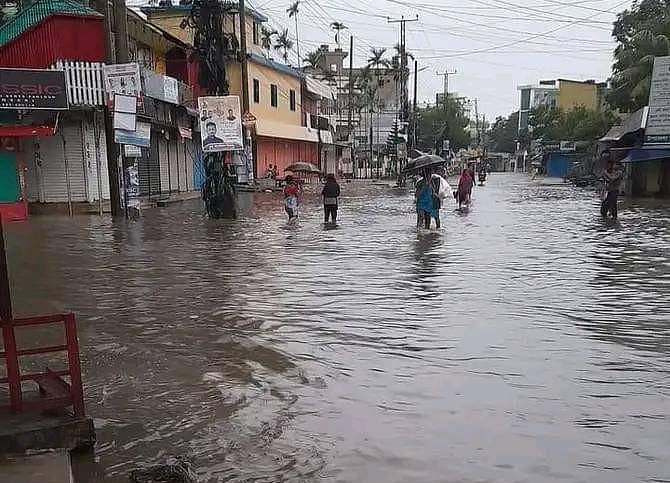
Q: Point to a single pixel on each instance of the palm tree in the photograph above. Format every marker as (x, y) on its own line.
(283, 43)
(293, 12)
(337, 27)
(312, 59)
(633, 66)
(267, 37)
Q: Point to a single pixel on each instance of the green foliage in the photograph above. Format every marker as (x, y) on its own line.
(436, 124)
(284, 44)
(504, 133)
(579, 124)
(641, 32)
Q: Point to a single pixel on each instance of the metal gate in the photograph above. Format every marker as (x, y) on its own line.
(149, 171)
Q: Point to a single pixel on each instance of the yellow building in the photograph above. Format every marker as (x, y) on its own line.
(282, 134)
(572, 94)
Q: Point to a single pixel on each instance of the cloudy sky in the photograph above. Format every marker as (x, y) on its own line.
(494, 45)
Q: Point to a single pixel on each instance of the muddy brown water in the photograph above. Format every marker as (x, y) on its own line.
(527, 341)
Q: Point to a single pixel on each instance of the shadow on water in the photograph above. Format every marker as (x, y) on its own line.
(369, 352)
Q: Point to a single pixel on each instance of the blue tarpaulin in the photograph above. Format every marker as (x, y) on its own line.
(636, 155)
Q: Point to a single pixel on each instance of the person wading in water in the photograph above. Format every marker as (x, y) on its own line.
(612, 177)
(292, 195)
(330, 193)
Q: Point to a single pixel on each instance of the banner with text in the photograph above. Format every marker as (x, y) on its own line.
(658, 122)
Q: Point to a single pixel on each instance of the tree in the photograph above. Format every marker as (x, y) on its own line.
(504, 133)
(377, 60)
(578, 124)
(284, 43)
(641, 33)
(292, 12)
(267, 37)
(436, 124)
(312, 59)
(337, 27)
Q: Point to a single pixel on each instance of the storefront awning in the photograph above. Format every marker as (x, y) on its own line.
(25, 131)
(633, 123)
(319, 88)
(286, 131)
(636, 155)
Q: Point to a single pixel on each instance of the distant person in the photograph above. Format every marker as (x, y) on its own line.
(211, 138)
(482, 175)
(440, 190)
(465, 184)
(292, 195)
(330, 193)
(612, 177)
(231, 115)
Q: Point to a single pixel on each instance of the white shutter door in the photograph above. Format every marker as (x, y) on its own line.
(32, 184)
(174, 164)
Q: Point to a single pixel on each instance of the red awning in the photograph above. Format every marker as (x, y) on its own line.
(22, 131)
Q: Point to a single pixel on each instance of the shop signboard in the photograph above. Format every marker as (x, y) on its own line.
(122, 79)
(140, 137)
(32, 89)
(658, 122)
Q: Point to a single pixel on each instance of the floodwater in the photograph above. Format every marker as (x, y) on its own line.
(527, 341)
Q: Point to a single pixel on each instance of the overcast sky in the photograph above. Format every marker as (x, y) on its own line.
(494, 45)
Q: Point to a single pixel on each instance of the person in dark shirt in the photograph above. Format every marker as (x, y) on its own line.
(612, 177)
(330, 193)
(211, 135)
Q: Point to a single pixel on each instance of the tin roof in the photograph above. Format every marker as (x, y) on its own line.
(38, 11)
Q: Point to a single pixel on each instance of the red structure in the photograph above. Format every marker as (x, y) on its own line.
(54, 391)
(55, 38)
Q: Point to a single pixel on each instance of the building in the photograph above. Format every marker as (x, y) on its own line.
(564, 94)
(61, 156)
(283, 133)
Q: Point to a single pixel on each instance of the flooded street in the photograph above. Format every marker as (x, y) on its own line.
(527, 341)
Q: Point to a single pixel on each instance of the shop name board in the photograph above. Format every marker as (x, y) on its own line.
(32, 89)
(658, 121)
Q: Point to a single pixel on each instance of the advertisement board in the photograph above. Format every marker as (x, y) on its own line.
(33, 89)
(220, 124)
(658, 122)
(122, 79)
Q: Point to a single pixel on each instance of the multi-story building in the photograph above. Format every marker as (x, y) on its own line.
(564, 94)
(283, 133)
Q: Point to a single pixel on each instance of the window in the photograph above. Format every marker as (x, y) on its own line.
(257, 91)
(292, 100)
(255, 34)
(273, 95)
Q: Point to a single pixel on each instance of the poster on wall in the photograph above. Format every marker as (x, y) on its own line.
(220, 124)
(122, 79)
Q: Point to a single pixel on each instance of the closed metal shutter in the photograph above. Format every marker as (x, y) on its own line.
(163, 162)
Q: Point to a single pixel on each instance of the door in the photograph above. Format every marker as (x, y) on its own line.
(10, 189)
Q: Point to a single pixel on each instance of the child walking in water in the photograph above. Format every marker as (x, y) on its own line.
(292, 195)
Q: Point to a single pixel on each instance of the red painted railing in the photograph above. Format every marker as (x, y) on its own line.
(57, 393)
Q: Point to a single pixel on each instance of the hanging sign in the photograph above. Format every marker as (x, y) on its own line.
(32, 89)
(658, 122)
(140, 137)
(122, 79)
(220, 124)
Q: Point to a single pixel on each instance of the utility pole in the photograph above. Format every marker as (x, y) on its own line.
(351, 103)
(477, 121)
(243, 59)
(403, 62)
(445, 94)
(111, 12)
(414, 103)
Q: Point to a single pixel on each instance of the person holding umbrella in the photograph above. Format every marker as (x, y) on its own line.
(292, 195)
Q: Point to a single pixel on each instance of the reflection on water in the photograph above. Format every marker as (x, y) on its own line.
(525, 341)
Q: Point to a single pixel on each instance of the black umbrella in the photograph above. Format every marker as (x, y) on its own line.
(302, 167)
(425, 161)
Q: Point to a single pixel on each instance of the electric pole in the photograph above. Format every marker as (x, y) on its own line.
(477, 121)
(445, 94)
(351, 103)
(404, 104)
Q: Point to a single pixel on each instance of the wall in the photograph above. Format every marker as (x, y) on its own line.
(266, 76)
(59, 37)
(572, 94)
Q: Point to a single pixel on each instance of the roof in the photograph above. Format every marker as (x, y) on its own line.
(633, 123)
(38, 11)
(187, 8)
(273, 64)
